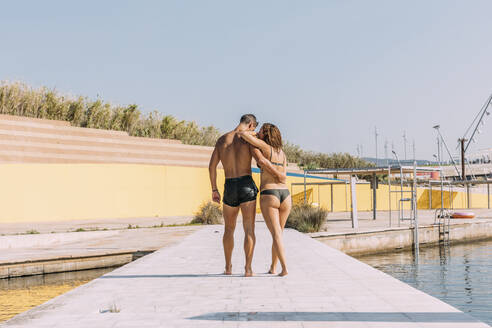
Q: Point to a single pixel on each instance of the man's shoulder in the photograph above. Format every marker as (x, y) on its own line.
(222, 139)
(226, 138)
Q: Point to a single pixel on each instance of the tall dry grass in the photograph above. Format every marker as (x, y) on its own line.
(306, 218)
(208, 213)
(22, 100)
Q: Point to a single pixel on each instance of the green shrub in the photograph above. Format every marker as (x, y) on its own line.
(306, 218)
(208, 213)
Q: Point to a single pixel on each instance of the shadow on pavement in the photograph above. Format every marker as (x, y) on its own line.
(339, 316)
(210, 275)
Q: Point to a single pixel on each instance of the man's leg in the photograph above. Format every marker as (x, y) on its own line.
(248, 211)
(230, 217)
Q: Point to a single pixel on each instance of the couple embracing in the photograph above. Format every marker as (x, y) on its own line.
(235, 150)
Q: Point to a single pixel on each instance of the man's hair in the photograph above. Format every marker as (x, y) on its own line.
(248, 118)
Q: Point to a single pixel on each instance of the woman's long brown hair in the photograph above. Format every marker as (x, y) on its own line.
(272, 136)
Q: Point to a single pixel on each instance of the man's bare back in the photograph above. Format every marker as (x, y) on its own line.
(235, 155)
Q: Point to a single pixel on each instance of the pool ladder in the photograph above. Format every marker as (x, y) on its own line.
(442, 217)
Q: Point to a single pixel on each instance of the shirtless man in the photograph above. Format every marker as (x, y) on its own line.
(239, 190)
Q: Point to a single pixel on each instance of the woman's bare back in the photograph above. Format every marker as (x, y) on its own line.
(268, 181)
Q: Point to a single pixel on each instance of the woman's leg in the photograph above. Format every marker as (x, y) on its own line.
(284, 212)
(270, 209)
(265, 202)
(274, 261)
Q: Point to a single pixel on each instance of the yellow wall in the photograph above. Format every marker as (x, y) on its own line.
(50, 192)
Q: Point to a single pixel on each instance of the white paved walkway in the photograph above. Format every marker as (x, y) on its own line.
(181, 286)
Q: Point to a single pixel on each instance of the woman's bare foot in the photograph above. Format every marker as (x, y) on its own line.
(228, 270)
(272, 269)
(283, 273)
(248, 272)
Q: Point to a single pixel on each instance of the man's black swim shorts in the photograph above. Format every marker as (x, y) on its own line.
(239, 190)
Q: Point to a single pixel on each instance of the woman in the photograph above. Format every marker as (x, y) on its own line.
(275, 200)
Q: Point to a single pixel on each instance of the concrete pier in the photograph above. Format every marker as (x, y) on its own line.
(182, 286)
(376, 236)
(25, 255)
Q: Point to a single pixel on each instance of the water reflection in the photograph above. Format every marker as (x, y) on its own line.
(460, 275)
(21, 294)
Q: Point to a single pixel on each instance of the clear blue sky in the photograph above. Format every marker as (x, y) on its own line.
(325, 71)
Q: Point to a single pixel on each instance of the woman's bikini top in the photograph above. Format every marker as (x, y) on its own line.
(274, 163)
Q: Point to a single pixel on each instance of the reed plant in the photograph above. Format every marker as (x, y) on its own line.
(306, 218)
(22, 100)
(208, 213)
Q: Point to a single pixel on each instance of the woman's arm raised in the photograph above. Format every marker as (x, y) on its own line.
(250, 137)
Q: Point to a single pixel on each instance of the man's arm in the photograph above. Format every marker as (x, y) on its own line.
(212, 172)
(266, 165)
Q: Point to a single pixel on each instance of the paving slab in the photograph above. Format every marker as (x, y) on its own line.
(96, 243)
(182, 286)
(47, 227)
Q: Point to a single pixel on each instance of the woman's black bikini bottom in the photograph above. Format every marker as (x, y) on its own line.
(281, 194)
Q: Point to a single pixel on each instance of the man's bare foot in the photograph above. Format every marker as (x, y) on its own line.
(283, 273)
(228, 270)
(272, 270)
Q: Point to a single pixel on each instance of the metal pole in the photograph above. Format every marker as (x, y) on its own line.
(376, 136)
(389, 193)
(346, 198)
(331, 187)
(488, 195)
(452, 198)
(405, 143)
(467, 195)
(374, 190)
(445, 146)
(430, 196)
(319, 203)
(414, 201)
(355, 221)
(440, 172)
(413, 146)
(400, 205)
(412, 190)
(462, 143)
(483, 111)
(304, 186)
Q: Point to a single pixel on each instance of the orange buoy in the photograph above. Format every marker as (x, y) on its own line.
(463, 215)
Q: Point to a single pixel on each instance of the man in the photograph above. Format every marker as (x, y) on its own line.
(239, 190)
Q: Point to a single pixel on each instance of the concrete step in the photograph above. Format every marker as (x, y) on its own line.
(29, 140)
(122, 140)
(7, 156)
(58, 149)
(12, 123)
(32, 120)
(57, 129)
